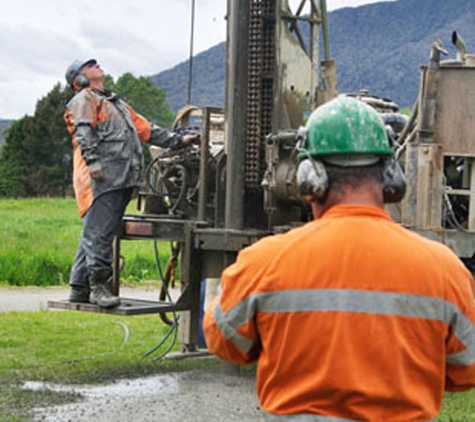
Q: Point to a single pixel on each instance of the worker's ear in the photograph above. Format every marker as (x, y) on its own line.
(312, 178)
(393, 180)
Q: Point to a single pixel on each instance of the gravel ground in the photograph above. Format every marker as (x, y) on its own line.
(192, 396)
(36, 298)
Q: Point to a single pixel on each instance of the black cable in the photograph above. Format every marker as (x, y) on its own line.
(453, 217)
(148, 174)
(171, 330)
(174, 327)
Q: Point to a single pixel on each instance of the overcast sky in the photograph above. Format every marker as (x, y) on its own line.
(40, 38)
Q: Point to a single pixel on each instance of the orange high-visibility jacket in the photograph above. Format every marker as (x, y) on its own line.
(351, 317)
(117, 133)
(105, 130)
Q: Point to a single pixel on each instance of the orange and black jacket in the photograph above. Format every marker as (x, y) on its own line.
(107, 132)
(350, 317)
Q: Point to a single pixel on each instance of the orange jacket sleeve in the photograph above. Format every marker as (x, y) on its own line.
(142, 125)
(232, 335)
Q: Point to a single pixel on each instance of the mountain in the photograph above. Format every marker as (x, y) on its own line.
(209, 74)
(382, 46)
(379, 47)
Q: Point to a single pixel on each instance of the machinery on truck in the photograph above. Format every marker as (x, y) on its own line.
(438, 148)
(238, 185)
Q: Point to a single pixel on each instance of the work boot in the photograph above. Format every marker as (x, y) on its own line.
(101, 295)
(79, 294)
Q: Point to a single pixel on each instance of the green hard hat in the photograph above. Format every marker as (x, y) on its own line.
(346, 132)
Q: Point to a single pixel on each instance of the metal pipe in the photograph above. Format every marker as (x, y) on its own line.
(236, 112)
(204, 155)
(326, 36)
(192, 35)
(460, 46)
(407, 129)
(427, 101)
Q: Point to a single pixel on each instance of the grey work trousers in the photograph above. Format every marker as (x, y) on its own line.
(100, 224)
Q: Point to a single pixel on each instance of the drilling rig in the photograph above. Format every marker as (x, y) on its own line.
(238, 185)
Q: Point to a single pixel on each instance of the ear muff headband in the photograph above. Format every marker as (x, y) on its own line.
(312, 180)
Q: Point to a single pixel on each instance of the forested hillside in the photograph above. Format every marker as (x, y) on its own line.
(380, 47)
(36, 158)
(209, 69)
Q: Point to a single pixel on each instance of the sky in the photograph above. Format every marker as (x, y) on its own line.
(40, 38)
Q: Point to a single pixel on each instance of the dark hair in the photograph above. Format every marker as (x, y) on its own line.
(340, 178)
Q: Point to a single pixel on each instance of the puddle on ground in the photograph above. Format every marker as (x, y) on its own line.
(96, 399)
(193, 396)
(123, 388)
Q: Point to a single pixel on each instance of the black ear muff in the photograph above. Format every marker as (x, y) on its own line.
(312, 178)
(393, 180)
(81, 80)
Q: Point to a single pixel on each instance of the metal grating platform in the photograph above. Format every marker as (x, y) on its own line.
(126, 307)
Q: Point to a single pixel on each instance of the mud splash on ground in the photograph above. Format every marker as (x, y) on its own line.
(194, 395)
(191, 396)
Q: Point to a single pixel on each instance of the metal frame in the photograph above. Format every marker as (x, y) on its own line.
(445, 128)
(273, 80)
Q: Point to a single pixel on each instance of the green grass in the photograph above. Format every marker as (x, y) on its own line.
(70, 347)
(459, 407)
(39, 240)
(39, 343)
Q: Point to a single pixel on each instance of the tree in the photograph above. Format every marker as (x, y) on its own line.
(12, 159)
(48, 168)
(147, 99)
(36, 157)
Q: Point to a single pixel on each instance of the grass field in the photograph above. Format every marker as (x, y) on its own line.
(72, 347)
(39, 238)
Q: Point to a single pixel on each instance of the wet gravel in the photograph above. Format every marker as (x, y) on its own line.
(191, 396)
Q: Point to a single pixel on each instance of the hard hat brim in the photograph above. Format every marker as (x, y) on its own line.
(89, 62)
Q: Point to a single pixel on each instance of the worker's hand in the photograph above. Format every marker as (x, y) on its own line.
(191, 139)
(95, 170)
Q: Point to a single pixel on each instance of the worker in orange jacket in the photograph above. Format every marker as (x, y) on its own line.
(350, 317)
(107, 135)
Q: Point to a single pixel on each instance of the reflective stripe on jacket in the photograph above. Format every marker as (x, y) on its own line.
(350, 316)
(310, 418)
